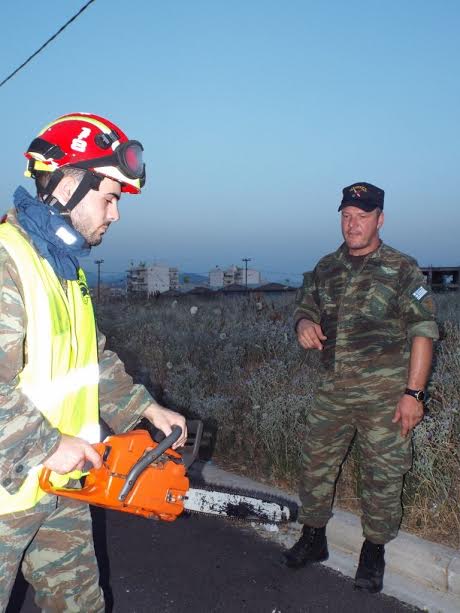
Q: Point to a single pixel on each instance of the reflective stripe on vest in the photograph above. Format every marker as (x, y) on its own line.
(61, 373)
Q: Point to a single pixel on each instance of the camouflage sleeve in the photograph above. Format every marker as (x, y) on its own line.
(26, 437)
(307, 300)
(416, 303)
(121, 402)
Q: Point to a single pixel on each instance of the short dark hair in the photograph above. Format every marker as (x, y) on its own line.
(42, 177)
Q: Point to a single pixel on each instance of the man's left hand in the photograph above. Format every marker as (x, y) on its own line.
(164, 419)
(409, 412)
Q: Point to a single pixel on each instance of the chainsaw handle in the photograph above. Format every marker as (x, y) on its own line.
(44, 480)
(147, 459)
(45, 473)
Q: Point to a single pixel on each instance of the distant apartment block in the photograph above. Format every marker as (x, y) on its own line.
(219, 277)
(150, 280)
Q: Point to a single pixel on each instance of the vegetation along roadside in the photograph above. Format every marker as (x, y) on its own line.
(234, 362)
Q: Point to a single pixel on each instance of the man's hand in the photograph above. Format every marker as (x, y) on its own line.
(72, 454)
(409, 412)
(164, 420)
(310, 335)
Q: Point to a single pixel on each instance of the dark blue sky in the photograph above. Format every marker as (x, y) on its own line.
(254, 115)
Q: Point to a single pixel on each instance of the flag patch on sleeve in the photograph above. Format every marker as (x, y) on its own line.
(420, 293)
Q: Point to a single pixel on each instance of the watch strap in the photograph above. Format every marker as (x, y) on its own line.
(417, 394)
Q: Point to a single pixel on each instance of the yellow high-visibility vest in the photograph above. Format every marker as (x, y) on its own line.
(61, 372)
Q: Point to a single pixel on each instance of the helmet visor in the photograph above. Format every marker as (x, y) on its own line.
(130, 159)
(127, 158)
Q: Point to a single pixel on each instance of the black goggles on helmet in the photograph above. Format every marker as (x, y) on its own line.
(127, 157)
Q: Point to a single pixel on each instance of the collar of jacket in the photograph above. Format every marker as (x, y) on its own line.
(375, 256)
(52, 236)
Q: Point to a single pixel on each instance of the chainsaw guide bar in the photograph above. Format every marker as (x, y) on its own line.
(220, 500)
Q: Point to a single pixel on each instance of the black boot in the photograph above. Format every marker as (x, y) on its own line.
(311, 547)
(369, 576)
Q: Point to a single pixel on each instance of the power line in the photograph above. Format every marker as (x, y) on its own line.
(47, 42)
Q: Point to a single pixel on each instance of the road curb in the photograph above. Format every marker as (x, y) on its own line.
(436, 566)
(418, 572)
(430, 572)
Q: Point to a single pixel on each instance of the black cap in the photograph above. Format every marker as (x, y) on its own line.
(365, 196)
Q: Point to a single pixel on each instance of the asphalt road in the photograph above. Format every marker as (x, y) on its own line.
(201, 565)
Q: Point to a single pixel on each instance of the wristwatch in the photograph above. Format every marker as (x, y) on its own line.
(417, 394)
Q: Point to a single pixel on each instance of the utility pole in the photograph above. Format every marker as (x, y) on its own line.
(246, 260)
(98, 262)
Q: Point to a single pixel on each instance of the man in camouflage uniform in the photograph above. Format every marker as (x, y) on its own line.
(53, 538)
(366, 307)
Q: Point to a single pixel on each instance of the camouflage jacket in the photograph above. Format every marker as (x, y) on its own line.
(369, 314)
(26, 437)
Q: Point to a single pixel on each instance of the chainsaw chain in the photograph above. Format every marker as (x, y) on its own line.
(259, 495)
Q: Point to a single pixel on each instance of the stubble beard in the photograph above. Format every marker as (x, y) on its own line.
(354, 244)
(94, 241)
(93, 238)
(359, 243)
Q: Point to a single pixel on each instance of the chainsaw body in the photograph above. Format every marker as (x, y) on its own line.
(137, 476)
(146, 478)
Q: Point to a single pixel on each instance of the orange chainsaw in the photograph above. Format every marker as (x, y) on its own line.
(141, 476)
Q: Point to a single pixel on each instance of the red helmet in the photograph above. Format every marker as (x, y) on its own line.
(90, 142)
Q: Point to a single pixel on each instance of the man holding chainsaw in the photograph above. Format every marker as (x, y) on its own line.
(56, 378)
(367, 309)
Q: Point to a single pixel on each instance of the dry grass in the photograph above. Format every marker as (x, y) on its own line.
(235, 363)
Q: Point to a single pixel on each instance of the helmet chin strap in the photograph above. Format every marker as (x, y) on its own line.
(46, 193)
(90, 181)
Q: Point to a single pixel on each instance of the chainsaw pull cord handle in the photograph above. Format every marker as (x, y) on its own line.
(147, 459)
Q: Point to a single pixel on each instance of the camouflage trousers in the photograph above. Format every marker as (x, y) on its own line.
(53, 543)
(337, 419)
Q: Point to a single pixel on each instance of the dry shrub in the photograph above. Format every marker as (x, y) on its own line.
(432, 492)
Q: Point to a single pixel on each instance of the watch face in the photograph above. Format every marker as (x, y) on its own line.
(417, 394)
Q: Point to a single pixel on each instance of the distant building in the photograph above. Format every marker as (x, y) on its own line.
(174, 278)
(216, 277)
(233, 288)
(275, 288)
(233, 275)
(151, 280)
(442, 278)
(199, 290)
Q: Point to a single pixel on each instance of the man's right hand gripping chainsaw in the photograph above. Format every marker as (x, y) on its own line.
(147, 478)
